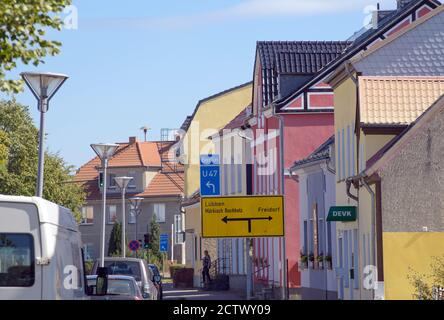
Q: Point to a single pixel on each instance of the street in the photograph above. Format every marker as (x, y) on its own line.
(171, 293)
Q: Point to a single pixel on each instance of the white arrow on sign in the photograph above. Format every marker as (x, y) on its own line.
(211, 185)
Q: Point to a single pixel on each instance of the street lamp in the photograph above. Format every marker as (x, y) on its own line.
(104, 151)
(44, 86)
(135, 207)
(123, 182)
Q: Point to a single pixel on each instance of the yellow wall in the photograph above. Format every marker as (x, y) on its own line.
(408, 249)
(210, 117)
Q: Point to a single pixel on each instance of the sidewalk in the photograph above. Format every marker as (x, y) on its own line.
(171, 293)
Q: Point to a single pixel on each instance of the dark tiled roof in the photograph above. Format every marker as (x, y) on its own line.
(323, 152)
(186, 124)
(387, 19)
(294, 57)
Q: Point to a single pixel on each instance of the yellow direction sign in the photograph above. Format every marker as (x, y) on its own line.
(248, 216)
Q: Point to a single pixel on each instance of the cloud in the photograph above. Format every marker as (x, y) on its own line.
(245, 10)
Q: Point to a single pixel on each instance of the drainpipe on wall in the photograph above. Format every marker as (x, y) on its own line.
(373, 221)
(356, 198)
(282, 164)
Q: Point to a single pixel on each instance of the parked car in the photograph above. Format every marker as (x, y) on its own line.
(157, 279)
(136, 268)
(119, 288)
(39, 242)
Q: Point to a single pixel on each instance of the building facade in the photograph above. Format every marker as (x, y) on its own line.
(161, 190)
(316, 176)
(210, 116)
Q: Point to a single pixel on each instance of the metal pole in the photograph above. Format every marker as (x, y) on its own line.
(40, 171)
(123, 224)
(172, 241)
(248, 247)
(102, 251)
(136, 214)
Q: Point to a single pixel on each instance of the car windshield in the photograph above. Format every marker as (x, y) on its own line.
(124, 268)
(122, 287)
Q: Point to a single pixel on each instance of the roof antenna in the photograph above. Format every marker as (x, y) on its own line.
(145, 130)
(378, 6)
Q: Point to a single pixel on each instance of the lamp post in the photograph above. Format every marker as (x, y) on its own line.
(135, 206)
(43, 86)
(104, 151)
(122, 182)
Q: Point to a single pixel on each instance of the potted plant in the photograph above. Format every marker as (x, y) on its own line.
(329, 261)
(320, 260)
(311, 258)
(304, 260)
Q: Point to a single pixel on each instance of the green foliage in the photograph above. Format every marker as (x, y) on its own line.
(19, 159)
(425, 284)
(22, 35)
(89, 266)
(154, 231)
(115, 240)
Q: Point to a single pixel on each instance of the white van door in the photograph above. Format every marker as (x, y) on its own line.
(20, 276)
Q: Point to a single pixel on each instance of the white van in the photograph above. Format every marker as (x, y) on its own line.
(40, 251)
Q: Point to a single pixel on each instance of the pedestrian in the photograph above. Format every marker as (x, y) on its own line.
(206, 264)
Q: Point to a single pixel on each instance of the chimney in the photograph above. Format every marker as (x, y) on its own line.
(403, 3)
(132, 140)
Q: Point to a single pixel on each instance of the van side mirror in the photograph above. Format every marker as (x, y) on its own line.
(157, 278)
(102, 281)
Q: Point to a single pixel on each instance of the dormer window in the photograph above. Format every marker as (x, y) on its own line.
(112, 182)
(132, 183)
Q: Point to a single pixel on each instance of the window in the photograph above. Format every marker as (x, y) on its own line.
(112, 182)
(178, 230)
(88, 251)
(239, 178)
(232, 177)
(16, 260)
(159, 212)
(132, 217)
(305, 248)
(132, 183)
(87, 215)
(338, 155)
(348, 152)
(343, 153)
(112, 213)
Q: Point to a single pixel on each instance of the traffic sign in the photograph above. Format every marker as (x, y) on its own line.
(163, 242)
(134, 245)
(247, 216)
(209, 175)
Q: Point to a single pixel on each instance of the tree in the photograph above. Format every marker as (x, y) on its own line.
(19, 160)
(23, 25)
(155, 237)
(431, 286)
(115, 240)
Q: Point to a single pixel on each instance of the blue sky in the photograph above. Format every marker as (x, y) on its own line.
(146, 62)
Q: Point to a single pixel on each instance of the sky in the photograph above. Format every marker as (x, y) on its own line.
(145, 62)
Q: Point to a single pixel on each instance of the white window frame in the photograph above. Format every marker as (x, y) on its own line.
(110, 221)
(159, 209)
(85, 215)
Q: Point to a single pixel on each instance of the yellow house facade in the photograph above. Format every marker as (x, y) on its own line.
(210, 116)
(382, 107)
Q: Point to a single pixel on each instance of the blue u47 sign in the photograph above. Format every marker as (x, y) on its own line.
(209, 175)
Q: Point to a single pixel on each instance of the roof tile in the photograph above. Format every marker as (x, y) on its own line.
(397, 100)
